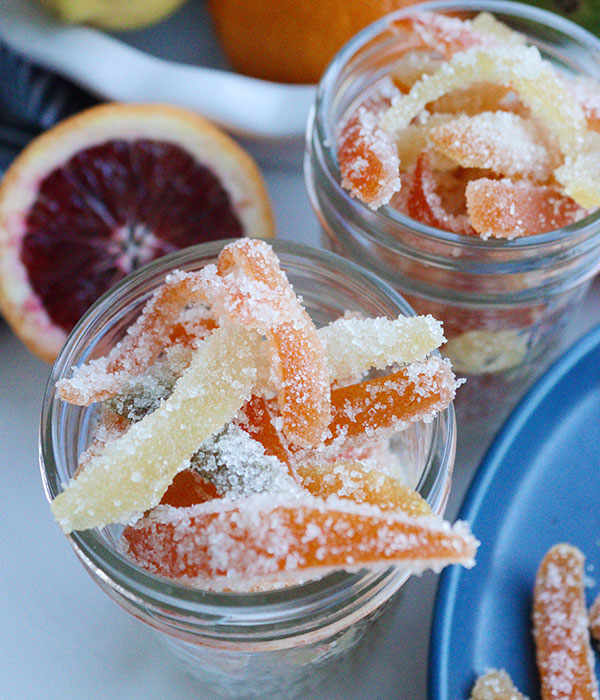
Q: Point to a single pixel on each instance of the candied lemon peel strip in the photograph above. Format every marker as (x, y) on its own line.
(560, 627)
(133, 471)
(354, 346)
(538, 86)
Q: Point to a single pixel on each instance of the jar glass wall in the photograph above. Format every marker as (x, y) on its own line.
(505, 303)
(255, 644)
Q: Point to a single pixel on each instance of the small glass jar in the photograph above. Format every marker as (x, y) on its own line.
(505, 303)
(268, 644)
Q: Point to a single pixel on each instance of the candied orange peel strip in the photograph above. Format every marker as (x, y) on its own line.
(132, 473)
(297, 356)
(390, 403)
(560, 627)
(500, 141)
(359, 484)
(104, 377)
(425, 204)
(265, 537)
(443, 34)
(496, 685)
(367, 155)
(506, 209)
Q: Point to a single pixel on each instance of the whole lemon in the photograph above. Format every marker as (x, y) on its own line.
(112, 14)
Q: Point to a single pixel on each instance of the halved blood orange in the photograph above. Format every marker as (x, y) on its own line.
(106, 191)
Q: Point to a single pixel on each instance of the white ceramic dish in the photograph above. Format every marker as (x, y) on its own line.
(115, 69)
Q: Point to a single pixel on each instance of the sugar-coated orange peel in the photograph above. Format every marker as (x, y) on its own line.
(507, 209)
(442, 34)
(499, 141)
(104, 377)
(266, 538)
(367, 409)
(297, 356)
(425, 204)
(560, 627)
(495, 685)
(356, 482)
(367, 156)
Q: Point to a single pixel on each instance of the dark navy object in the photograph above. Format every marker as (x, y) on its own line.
(31, 100)
(539, 484)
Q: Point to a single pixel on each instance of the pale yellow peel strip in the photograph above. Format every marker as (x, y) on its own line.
(354, 346)
(134, 471)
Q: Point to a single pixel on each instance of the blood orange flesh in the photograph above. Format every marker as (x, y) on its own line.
(106, 191)
(110, 209)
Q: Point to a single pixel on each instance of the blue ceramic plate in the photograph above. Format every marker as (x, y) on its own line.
(539, 484)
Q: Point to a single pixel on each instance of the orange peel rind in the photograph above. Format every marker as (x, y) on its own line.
(560, 627)
(226, 543)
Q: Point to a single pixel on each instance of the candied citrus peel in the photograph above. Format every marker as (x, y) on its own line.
(266, 538)
(146, 338)
(356, 482)
(507, 209)
(365, 411)
(560, 627)
(297, 356)
(132, 472)
(366, 154)
(495, 685)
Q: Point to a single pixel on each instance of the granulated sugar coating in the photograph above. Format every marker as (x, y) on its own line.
(473, 95)
(264, 537)
(502, 142)
(560, 627)
(250, 444)
(495, 685)
(507, 209)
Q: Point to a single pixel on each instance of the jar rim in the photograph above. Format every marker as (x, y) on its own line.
(379, 220)
(137, 585)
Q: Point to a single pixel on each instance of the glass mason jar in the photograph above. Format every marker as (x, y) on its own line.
(256, 644)
(505, 303)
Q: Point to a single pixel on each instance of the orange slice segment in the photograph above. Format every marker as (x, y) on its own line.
(132, 473)
(506, 209)
(297, 356)
(224, 543)
(389, 403)
(560, 627)
(500, 141)
(359, 484)
(106, 191)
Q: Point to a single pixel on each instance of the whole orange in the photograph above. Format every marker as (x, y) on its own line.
(291, 41)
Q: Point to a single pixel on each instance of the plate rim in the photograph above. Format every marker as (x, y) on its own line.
(446, 594)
